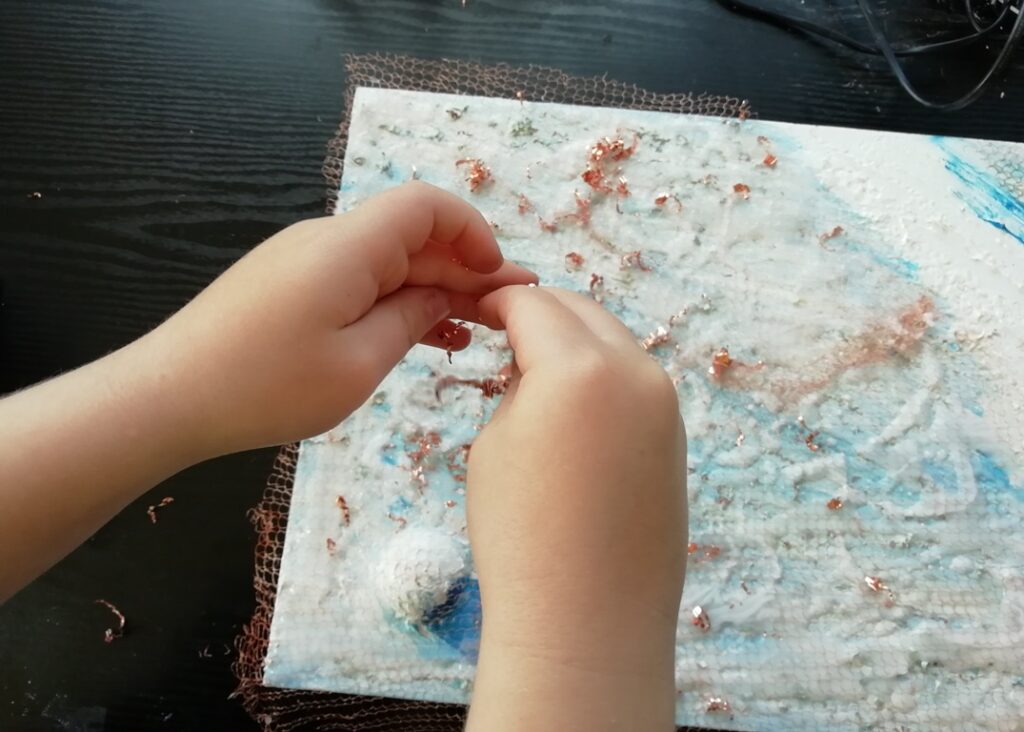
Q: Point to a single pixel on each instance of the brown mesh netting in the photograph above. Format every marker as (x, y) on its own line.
(286, 709)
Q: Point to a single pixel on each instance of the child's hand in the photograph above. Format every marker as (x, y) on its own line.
(282, 346)
(297, 334)
(578, 523)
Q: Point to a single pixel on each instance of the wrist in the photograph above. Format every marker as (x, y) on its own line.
(567, 684)
(151, 372)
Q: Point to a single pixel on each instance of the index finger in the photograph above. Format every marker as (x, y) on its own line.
(418, 212)
(540, 327)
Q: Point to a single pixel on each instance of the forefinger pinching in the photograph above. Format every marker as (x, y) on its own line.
(418, 212)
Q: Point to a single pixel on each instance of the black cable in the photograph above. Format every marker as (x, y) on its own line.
(891, 54)
(973, 17)
(911, 49)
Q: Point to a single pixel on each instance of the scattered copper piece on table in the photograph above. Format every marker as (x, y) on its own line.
(110, 634)
(151, 511)
(743, 189)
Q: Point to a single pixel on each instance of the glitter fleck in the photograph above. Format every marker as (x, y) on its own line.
(834, 504)
(742, 189)
(769, 161)
(597, 286)
(809, 441)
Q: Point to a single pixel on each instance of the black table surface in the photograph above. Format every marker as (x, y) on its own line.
(168, 138)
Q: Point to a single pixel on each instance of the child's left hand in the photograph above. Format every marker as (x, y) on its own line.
(284, 345)
(297, 334)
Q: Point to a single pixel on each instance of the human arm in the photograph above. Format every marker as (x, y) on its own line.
(578, 525)
(283, 345)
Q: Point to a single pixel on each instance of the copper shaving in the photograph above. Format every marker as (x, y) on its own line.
(151, 511)
(110, 633)
(720, 363)
(346, 515)
(834, 504)
(701, 619)
(574, 260)
(743, 189)
(659, 337)
(490, 388)
(836, 231)
(718, 704)
(634, 260)
(478, 173)
(664, 198)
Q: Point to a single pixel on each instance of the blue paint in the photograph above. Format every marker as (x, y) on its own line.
(456, 621)
(984, 195)
(399, 506)
(942, 474)
(991, 476)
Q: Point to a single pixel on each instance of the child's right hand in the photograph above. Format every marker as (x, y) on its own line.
(578, 523)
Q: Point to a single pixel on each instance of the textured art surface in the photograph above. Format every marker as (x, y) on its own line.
(839, 310)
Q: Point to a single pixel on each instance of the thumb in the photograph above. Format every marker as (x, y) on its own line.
(394, 325)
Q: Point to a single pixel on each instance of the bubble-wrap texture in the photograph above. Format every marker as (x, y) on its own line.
(279, 709)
